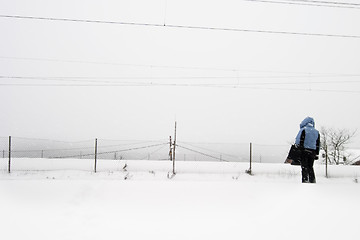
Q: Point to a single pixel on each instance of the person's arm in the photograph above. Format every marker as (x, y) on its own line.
(318, 145)
(302, 139)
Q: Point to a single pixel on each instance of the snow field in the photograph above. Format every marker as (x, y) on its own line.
(203, 201)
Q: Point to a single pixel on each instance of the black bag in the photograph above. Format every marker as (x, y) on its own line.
(294, 155)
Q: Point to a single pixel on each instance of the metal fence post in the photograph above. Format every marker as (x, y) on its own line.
(326, 161)
(250, 157)
(249, 170)
(9, 166)
(170, 151)
(174, 150)
(95, 154)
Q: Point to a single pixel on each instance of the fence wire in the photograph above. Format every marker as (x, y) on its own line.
(63, 154)
(218, 152)
(66, 155)
(263, 153)
(112, 156)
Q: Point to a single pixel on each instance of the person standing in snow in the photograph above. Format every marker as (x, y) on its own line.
(308, 140)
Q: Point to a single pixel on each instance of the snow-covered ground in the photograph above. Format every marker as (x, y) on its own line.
(65, 199)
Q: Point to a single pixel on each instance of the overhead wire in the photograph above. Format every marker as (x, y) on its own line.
(179, 26)
(151, 66)
(265, 85)
(108, 83)
(234, 86)
(310, 3)
(94, 79)
(121, 64)
(326, 2)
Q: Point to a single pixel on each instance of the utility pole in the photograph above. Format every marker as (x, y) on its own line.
(173, 159)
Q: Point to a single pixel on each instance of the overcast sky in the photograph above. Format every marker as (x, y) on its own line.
(258, 86)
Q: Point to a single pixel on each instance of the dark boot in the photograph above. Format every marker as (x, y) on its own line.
(312, 176)
(304, 174)
(311, 171)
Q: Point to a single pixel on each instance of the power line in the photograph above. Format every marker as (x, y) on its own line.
(183, 85)
(310, 3)
(326, 2)
(119, 64)
(181, 26)
(83, 82)
(89, 79)
(233, 70)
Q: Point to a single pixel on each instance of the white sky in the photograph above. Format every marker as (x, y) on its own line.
(287, 67)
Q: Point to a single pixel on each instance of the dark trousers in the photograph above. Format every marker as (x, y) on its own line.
(307, 170)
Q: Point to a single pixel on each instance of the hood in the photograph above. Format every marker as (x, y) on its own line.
(309, 122)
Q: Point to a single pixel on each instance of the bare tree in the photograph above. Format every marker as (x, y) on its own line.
(334, 142)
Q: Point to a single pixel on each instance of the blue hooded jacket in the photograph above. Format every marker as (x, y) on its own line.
(311, 134)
